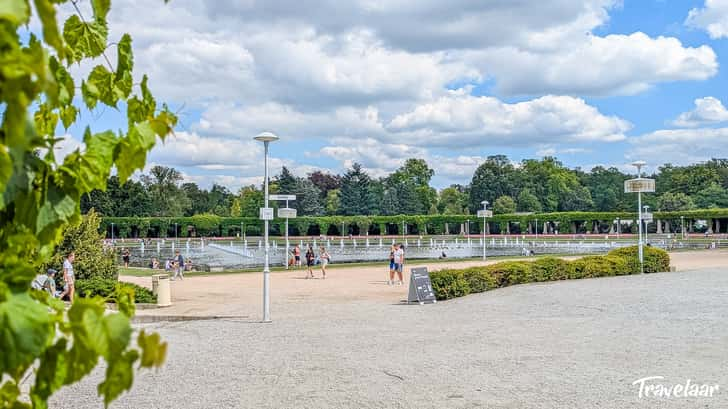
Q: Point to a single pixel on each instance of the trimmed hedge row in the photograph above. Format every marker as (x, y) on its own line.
(107, 288)
(452, 283)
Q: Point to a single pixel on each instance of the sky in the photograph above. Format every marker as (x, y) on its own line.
(592, 82)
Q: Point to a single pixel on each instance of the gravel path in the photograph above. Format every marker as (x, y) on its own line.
(573, 344)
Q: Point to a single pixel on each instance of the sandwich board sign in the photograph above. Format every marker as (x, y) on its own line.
(420, 287)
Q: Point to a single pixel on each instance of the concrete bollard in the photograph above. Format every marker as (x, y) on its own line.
(164, 292)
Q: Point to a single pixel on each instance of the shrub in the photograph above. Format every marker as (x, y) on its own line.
(550, 268)
(449, 284)
(480, 280)
(107, 288)
(656, 260)
(511, 272)
(457, 283)
(598, 266)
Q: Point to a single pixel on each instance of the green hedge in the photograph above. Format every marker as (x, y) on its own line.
(107, 288)
(452, 283)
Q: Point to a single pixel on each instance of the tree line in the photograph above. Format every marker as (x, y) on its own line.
(532, 185)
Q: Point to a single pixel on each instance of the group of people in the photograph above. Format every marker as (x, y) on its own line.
(47, 282)
(176, 264)
(311, 259)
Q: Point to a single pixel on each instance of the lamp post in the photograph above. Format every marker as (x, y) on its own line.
(467, 227)
(619, 227)
(485, 215)
(537, 228)
(266, 138)
(112, 234)
(175, 232)
(682, 226)
(639, 164)
(242, 231)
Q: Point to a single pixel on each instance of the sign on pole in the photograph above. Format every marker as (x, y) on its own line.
(485, 213)
(286, 213)
(266, 213)
(647, 217)
(282, 197)
(639, 185)
(420, 288)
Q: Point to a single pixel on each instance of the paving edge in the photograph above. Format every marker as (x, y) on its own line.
(145, 319)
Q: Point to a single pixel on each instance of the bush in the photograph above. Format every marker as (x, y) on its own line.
(457, 283)
(479, 279)
(449, 284)
(511, 272)
(550, 268)
(656, 260)
(599, 266)
(108, 289)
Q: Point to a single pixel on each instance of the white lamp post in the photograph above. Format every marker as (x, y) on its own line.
(639, 164)
(266, 138)
(112, 234)
(485, 215)
(682, 226)
(536, 228)
(645, 209)
(175, 232)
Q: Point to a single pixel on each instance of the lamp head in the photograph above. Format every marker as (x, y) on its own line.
(266, 137)
(484, 203)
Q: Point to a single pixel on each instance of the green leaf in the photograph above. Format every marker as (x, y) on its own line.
(51, 373)
(85, 39)
(68, 116)
(119, 376)
(125, 299)
(16, 12)
(47, 13)
(124, 66)
(101, 8)
(25, 329)
(100, 86)
(153, 351)
(6, 170)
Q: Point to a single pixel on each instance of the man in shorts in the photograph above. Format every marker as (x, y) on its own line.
(399, 262)
(297, 255)
(68, 277)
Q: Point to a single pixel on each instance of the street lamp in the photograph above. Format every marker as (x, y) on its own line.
(266, 138)
(639, 164)
(619, 227)
(175, 232)
(682, 226)
(467, 227)
(485, 208)
(537, 228)
(112, 234)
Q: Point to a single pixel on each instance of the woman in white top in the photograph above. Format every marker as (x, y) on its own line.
(325, 258)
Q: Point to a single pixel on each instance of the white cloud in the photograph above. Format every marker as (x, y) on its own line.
(713, 18)
(467, 121)
(708, 110)
(681, 146)
(611, 65)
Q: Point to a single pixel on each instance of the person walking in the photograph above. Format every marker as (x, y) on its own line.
(310, 256)
(399, 263)
(68, 277)
(391, 264)
(325, 258)
(297, 255)
(125, 256)
(179, 265)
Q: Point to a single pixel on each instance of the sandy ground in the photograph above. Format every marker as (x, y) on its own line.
(347, 342)
(240, 295)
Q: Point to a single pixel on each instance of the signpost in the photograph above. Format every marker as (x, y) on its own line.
(266, 213)
(485, 213)
(638, 186)
(285, 213)
(420, 287)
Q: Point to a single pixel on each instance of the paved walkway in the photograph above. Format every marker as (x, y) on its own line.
(568, 344)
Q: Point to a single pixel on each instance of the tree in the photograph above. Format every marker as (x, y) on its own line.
(354, 196)
(672, 202)
(248, 202)
(452, 201)
(308, 200)
(325, 182)
(163, 186)
(504, 205)
(197, 197)
(528, 202)
(712, 196)
(41, 197)
(92, 259)
(287, 183)
(493, 178)
(219, 200)
(332, 202)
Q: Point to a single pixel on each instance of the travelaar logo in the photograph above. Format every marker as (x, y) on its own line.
(649, 388)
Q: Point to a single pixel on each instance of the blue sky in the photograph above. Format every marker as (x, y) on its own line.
(376, 82)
